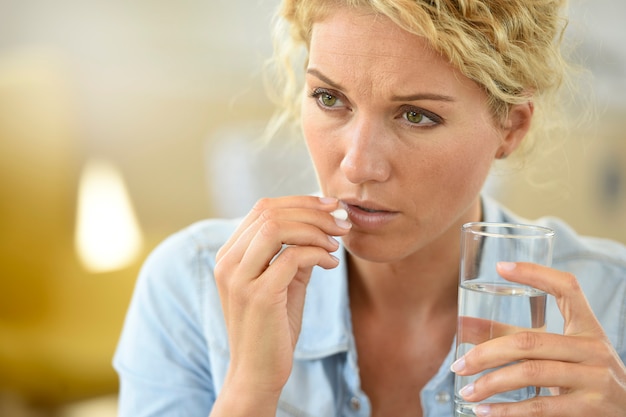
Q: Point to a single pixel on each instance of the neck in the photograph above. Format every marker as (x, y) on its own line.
(409, 288)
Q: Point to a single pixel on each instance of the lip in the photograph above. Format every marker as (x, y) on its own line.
(368, 215)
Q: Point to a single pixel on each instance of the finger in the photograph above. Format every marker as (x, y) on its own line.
(476, 331)
(327, 204)
(271, 238)
(529, 345)
(579, 317)
(533, 373)
(261, 206)
(271, 223)
(291, 261)
(563, 405)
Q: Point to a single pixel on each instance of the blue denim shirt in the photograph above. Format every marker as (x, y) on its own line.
(173, 353)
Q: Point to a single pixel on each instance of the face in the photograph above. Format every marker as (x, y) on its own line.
(396, 133)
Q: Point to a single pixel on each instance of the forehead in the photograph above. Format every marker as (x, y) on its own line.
(359, 45)
(352, 31)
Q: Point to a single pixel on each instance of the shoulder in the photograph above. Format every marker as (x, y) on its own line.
(178, 275)
(177, 281)
(203, 238)
(571, 249)
(599, 266)
(582, 254)
(171, 350)
(176, 290)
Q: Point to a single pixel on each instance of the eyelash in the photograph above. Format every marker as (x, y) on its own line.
(318, 92)
(436, 120)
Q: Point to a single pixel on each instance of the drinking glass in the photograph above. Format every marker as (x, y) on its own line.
(489, 305)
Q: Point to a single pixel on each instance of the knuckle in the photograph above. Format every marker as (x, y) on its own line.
(604, 350)
(299, 257)
(269, 228)
(571, 282)
(264, 216)
(532, 370)
(605, 378)
(221, 272)
(218, 271)
(526, 341)
(537, 408)
(601, 352)
(504, 412)
(221, 252)
(261, 205)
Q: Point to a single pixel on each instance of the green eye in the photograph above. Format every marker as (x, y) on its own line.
(328, 99)
(414, 117)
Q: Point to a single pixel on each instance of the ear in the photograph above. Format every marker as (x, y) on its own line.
(515, 128)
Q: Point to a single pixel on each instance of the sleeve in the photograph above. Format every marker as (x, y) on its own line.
(162, 357)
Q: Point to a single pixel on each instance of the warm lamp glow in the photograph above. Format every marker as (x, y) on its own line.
(107, 231)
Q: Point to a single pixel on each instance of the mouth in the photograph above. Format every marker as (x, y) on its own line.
(368, 214)
(365, 206)
(368, 210)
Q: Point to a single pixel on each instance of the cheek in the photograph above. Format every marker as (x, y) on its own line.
(470, 164)
(319, 143)
(318, 136)
(455, 163)
(312, 135)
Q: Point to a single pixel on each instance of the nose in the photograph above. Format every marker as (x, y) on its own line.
(365, 159)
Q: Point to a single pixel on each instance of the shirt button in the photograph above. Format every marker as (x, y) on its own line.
(355, 403)
(442, 397)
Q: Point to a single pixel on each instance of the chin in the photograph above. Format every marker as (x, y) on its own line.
(374, 248)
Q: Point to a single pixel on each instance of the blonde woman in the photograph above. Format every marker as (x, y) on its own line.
(294, 311)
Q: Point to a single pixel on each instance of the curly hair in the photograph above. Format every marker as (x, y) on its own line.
(511, 48)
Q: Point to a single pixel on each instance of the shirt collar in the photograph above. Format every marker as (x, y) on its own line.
(492, 211)
(326, 322)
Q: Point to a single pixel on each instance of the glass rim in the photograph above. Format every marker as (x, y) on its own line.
(476, 228)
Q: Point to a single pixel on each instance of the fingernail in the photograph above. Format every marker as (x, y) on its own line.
(507, 266)
(482, 409)
(459, 365)
(328, 200)
(344, 224)
(467, 390)
(334, 241)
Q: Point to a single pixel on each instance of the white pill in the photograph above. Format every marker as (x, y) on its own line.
(340, 214)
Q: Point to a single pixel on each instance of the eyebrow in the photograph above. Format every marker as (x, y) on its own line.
(323, 78)
(411, 97)
(424, 96)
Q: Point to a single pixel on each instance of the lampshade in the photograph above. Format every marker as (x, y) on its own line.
(108, 236)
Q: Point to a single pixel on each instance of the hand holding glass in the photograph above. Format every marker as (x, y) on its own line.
(489, 305)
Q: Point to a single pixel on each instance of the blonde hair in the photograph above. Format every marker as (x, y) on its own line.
(512, 48)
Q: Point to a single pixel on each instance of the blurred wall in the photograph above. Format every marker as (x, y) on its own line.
(585, 181)
(151, 86)
(142, 84)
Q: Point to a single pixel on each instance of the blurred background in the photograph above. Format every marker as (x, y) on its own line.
(124, 121)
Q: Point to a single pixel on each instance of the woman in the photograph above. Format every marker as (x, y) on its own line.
(405, 106)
